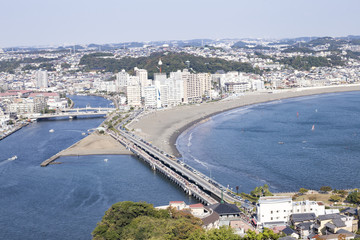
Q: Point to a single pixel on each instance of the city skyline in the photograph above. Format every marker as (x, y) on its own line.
(39, 22)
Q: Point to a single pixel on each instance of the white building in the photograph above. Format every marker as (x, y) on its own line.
(176, 88)
(277, 210)
(27, 105)
(270, 210)
(142, 74)
(150, 97)
(121, 80)
(258, 85)
(196, 86)
(133, 94)
(42, 79)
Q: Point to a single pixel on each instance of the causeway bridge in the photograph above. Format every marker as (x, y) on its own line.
(189, 187)
(73, 113)
(203, 183)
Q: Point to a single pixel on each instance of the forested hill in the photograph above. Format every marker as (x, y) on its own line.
(171, 63)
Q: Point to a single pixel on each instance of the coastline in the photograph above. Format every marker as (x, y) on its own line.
(162, 128)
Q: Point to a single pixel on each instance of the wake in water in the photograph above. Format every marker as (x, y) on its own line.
(70, 130)
(8, 160)
(189, 140)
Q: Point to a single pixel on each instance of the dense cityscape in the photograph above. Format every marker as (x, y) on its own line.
(143, 78)
(36, 80)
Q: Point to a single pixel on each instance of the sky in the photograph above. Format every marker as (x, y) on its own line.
(55, 22)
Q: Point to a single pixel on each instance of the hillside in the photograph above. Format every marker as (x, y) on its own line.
(171, 63)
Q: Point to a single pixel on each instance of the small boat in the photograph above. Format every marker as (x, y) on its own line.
(105, 160)
(12, 158)
(280, 142)
(83, 133)
(51, 130)
(313, 128)
(70, 117)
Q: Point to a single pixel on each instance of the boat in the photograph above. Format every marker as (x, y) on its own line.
(70, 117)
(105, 160)
(280, 142)
(313, 128)
(51, 130)
(83, 133)
(12, 158)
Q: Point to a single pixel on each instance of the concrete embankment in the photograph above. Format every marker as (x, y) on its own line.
(14, 130)
(94, 144)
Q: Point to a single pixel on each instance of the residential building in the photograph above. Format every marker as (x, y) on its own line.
(277, 210)
(273, 210)
(42, 79)
(133, 93)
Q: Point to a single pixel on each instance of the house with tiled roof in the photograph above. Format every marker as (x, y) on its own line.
(226, 210)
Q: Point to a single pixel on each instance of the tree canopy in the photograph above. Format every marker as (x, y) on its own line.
(325, 189)
(171, 63)
(140, 220)
(354, 197)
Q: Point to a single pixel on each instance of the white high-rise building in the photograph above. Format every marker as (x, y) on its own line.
(162, 92)
(176, 88)
(122, 79)
(150, 97)
(143, 79)
(133, 81)
(42, 79)
(133, 94)
(196, 86)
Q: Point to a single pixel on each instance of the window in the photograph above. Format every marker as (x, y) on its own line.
(284, 210)
(284, 217)
(298, 210)
(271, 212)
(277, 211)
(271, 218)
(311, 209)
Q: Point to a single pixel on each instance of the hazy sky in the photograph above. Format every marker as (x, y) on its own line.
(46, 22)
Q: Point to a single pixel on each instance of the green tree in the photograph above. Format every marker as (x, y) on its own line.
(303, 190)
(325, 189)
(335, 198)
(354, 197)
(342, 193)
(129, 220)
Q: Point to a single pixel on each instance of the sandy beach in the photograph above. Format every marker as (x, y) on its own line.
(96, 144)
(162, 128)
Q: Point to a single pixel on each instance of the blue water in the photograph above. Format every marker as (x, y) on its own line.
(270, 143)
(66, 201)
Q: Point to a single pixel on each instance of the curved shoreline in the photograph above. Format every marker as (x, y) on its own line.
(162, 128)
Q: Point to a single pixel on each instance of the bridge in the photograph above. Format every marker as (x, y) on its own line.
(87, 108)
(144, 150)
(201, 180)
(189, 187)
(73, 113)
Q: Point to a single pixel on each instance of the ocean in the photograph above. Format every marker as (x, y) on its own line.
(308, 142)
